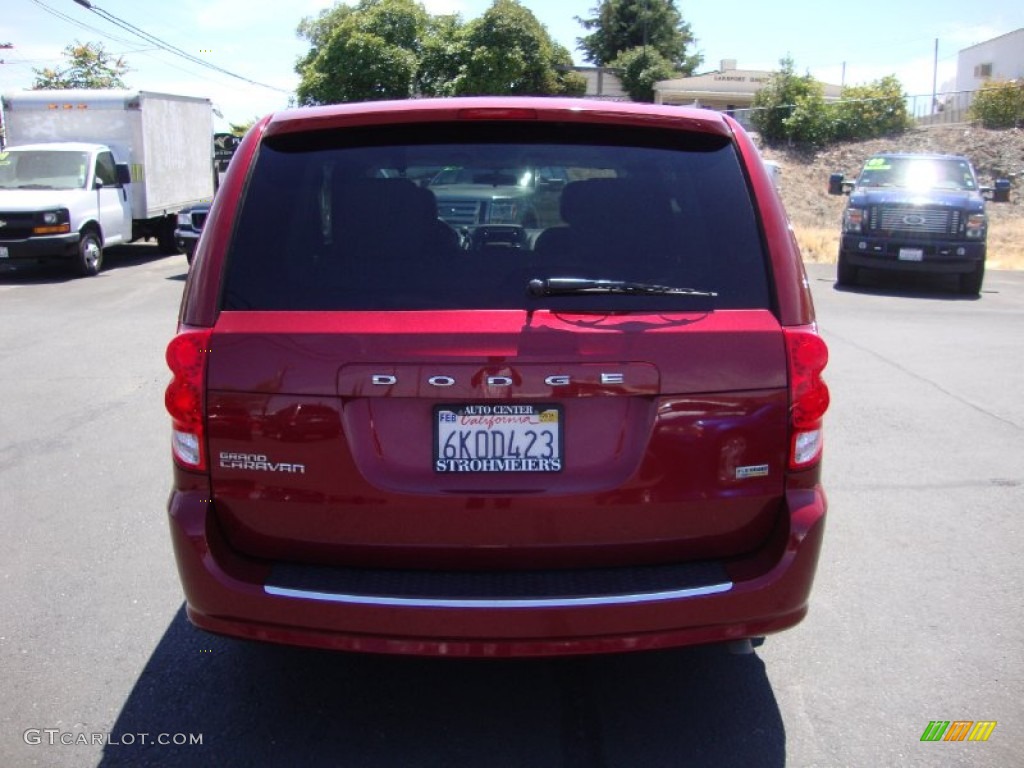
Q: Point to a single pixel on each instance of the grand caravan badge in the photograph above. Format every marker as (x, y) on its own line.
(258, 462)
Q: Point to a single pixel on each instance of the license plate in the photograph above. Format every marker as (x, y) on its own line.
(498, 438)
(911, 254)
(3, 252)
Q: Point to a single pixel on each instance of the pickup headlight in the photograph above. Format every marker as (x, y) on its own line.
(976, 226)
(52, 223)
(185, 220)
(853, 219)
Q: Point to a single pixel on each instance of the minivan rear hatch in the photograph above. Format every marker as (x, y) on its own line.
(608, 387)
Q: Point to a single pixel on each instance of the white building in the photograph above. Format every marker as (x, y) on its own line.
(727, 89)
(1001, 58)
(602, 83)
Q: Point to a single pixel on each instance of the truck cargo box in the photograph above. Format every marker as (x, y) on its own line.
(166, 139)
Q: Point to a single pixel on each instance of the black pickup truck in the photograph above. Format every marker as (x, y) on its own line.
(916, 213)
(189, 227)
(498, 205)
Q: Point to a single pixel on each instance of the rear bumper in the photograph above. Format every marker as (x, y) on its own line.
(761, 593)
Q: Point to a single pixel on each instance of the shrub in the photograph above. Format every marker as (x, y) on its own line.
(869, 111)
(791, 108)
(999, 104)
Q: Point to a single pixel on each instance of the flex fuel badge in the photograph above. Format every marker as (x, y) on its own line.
(756, 470)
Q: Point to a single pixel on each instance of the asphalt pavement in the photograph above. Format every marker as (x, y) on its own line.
(915, 616)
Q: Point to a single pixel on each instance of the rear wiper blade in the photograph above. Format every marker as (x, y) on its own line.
(578, 286)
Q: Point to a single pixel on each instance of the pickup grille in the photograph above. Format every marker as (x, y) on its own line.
(459, 213)
(918, 221)
(16, 226)
(198, 219)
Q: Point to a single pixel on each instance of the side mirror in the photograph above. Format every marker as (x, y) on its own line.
(124, 173)
(1001, 193)
(835, 184)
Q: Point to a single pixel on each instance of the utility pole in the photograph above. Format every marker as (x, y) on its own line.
(935, 76)
(3, 128)
(646, 10)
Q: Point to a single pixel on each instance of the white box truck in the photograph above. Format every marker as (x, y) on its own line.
(85, 169)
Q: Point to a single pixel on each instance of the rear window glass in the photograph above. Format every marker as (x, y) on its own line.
(465, 216)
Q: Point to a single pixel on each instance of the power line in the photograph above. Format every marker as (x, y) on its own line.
(149, 38)
(131, 44)
(82, 24)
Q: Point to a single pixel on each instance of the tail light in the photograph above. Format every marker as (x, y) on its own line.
(186, 357)
(498, 113)
(808, 394)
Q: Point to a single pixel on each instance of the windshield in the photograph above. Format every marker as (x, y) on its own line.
(43, 169)
(918, 173)
(346, 220)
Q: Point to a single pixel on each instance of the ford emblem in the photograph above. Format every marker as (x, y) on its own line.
(914, 219)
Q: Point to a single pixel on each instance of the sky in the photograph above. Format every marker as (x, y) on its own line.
(836, 42)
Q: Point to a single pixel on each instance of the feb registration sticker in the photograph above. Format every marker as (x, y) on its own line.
(503, 437)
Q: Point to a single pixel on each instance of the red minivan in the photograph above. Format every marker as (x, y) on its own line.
(597, 431)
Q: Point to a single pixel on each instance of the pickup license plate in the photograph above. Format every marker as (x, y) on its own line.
(3, 252)
(911, 254)
(499, 437)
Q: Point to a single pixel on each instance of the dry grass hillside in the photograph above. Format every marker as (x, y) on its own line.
(816, 214)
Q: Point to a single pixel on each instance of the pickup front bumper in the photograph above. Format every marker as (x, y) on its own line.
(936, 256)
(39, 249)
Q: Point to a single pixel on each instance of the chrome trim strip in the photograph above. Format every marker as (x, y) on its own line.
(556, 602)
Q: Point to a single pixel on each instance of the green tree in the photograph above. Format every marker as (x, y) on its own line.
(89, 66)
(570, 83)
(808, 123)
(365, 53)
(316, 30)
(240, 129)
(999, 104)
(393, 49)
(791, 108)
(509, 52)
(621, 25)
(640, 69)
(868, 111)
(442, 55)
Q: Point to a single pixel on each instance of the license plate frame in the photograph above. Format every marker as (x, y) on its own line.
(498, 438)
(911, 254)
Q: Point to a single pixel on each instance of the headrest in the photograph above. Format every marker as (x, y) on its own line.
(604, 203)
(382, 202)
